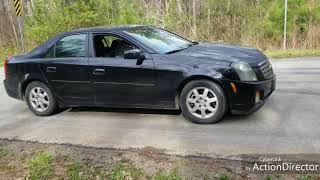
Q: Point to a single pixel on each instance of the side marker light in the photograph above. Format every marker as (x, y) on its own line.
(234, 87)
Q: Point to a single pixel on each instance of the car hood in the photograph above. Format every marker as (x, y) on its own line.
(224, 52)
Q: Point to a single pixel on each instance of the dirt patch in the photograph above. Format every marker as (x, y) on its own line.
(30, 160)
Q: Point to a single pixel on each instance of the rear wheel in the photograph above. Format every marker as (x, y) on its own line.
(40, 99)
(203, 102)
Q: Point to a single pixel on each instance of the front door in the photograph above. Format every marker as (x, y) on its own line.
(118, 81)
(66, 69)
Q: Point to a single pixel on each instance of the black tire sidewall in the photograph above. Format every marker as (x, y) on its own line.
(222, 107)
(52, 102)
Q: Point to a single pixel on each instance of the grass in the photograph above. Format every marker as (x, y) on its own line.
(291, 53)
(173, 175)
(25, 162)
(126, 170)
(40, 166)
(73, 172)
(268, 177)
(306, 177)
(3, 152)
(224, 177)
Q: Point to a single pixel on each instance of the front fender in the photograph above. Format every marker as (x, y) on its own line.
(213, 73)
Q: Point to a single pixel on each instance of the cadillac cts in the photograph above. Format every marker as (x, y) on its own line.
(140, 67)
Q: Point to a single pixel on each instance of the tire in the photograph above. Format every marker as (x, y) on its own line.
(203, 102)
(40, 99)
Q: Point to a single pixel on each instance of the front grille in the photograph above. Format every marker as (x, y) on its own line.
(266, 69)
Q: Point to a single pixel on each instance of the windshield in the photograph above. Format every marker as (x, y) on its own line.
(159, 40)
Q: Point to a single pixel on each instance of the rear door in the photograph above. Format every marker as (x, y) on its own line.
(66, 69)
(118, 81)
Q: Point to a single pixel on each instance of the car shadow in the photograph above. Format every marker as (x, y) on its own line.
(227, 119)
(245, 118)
(125, 110)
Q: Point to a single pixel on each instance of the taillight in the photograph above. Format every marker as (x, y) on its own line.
(5, 65)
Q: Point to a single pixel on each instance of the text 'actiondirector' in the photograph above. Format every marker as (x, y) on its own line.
(281, 163)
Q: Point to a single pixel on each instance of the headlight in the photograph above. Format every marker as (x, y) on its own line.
(244, 71)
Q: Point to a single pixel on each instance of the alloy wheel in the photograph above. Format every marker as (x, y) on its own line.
(39, 99)
(202, 102)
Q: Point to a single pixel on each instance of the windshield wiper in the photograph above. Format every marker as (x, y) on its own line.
(174, 51)
(177, 50)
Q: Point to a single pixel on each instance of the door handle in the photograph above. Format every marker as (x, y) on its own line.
(51, 69)
(99, 72)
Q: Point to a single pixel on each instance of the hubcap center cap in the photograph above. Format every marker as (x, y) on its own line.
(202, 102)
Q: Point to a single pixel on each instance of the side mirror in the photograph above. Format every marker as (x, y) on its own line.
(135, 54)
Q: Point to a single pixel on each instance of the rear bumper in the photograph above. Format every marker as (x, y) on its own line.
(246, 100)
(11, 90)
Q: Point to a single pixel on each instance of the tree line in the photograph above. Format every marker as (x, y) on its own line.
(257, 23)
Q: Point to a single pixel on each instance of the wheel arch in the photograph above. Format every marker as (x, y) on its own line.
(27, 81)
(187, 80)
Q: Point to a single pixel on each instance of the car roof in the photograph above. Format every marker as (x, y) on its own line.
(109, 28)
(99, 29)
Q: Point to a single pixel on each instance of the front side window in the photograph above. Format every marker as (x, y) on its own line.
(159, 40)
(111, 46)
(50, 53)
(71, 46)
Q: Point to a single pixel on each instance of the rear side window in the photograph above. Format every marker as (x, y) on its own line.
(70, 46)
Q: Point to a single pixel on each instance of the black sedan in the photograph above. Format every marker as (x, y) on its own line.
(140, 67)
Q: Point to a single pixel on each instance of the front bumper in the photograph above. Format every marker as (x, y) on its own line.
(250, 96)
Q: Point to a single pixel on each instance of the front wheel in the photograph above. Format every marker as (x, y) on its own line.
(40, 99)
(203, 102)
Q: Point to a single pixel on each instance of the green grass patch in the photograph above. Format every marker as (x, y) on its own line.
(3, 152)
(306, 177)
(73, 171)
(268, 177)
(123, 170)
(224, 177)
(291, 53)
(126, 170)
(173, 175)
(40, 166)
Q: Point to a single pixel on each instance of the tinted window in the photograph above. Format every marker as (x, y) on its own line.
(50, 53)
(71, 46)
(159, 40)
(111, 46)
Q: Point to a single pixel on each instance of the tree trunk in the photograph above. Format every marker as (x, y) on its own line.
(14, 29)
(194, 8)
(209, 23)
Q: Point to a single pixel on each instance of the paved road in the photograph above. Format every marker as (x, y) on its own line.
(288, 123)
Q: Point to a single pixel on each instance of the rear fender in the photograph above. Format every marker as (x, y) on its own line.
(29, 77)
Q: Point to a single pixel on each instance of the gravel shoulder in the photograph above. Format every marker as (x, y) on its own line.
(30, 160)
